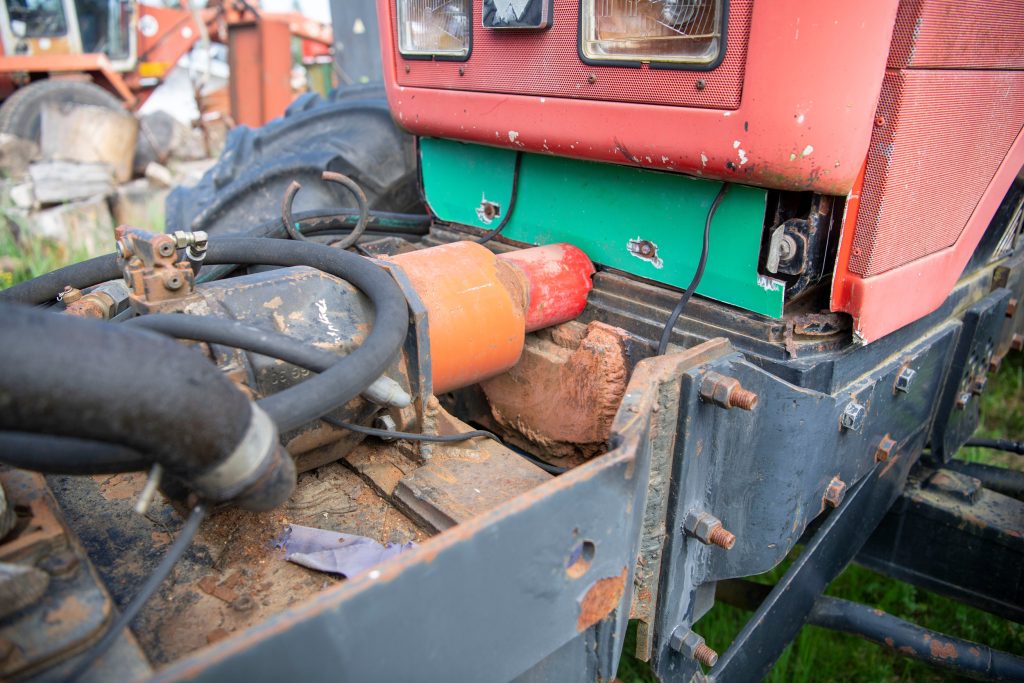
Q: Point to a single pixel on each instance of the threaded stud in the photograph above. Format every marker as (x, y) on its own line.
(705, 655)
(722, 538)
(743, 398)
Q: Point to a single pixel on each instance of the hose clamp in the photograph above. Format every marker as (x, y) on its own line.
(245, 464)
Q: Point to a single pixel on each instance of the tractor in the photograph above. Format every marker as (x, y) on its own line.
(699, 290)
(114, 53)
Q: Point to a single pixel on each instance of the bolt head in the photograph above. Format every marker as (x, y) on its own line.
(684, 641)
(853, 416)
(885, 448)
(835, 492)
(978, 386)
(905, 379)
(701, 524)
(1011, 308)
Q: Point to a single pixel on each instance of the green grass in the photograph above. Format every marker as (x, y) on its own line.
(24, 256)
(819, 655)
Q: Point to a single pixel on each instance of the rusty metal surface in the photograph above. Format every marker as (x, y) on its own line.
(233, 577)
(74, 607)
(153, 269)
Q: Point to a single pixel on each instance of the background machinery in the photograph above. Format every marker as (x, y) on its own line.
(701, 285)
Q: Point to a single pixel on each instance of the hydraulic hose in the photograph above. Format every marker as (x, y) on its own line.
(45, 288)
(315, 396)
(65, 455)
(238, 335)
(351, 375)
(72, 377)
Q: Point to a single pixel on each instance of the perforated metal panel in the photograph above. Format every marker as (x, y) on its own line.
(547, 64)
(979, 34)
(940, 137)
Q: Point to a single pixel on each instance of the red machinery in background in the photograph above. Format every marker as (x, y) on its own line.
(95, 53)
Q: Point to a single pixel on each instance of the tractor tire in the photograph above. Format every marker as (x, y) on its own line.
(352, 133)
(21, 113)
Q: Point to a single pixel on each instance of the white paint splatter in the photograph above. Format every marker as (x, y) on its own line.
(800, 118)
(792, 157)
(321, 314)
(743, 156)
(735, 144)
(664, 159)
(770, 284)
(512, 135)
(703, 159)
(807, 150)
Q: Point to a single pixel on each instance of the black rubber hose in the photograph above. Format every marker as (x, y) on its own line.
(666, 333)
(170, 558)
(238, 335)
(65, 455)
(45, 288)
(998, 444)
(351, 375)
(70, 376)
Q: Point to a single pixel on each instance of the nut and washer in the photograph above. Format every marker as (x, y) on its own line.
(853, 416)
(1011, 308)
(835, 492)
(690, 644)
(726, 392)
(387, 423)
(904, 379)
(708, 529)
(885, 448)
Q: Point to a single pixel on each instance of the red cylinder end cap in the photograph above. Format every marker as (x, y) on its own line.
(559, 277)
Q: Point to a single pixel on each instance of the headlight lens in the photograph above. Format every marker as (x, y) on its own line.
(433, 27)
(685, 32)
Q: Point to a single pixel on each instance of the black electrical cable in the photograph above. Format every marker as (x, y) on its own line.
(998, 444)
(238, 335)
(171, 557)
(66, 455)
(439, 438)
(666, 333)
(511, 203)
(44, 288)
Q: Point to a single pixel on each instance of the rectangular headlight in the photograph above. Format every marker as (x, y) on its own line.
(681, 32)
(434, 28)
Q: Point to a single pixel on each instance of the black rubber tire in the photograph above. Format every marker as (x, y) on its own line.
(21, 113)
(351, 133)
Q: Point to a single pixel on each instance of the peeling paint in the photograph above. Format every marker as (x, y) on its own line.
(488, 210)
(645, 250)
(703, 159)
(770, 284)
(807, 150)
(800, 118)
(736, 144)
(512, 135)
(743, 156)
(792, 157)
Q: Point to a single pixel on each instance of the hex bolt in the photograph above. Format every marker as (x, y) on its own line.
(591, 78)
(885, 447)
(708, 529)
(1017, 343)
(1011, 308)
(835, 492)
(904, 379)
(700, 84)
(165, 248)
(853, 416)
(978, 385)
(691, 644)
(726, 392)
(963, 400)
(387, 423)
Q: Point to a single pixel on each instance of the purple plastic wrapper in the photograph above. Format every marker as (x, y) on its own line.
(335, 552)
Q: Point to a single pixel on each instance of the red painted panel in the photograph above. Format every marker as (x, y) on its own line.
(884, 303)
(941, 138)
(976, 34)
(811, 83)
(546, 64)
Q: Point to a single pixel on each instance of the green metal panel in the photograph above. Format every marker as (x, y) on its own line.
(612, 213)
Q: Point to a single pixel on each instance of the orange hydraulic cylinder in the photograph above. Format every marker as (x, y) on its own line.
(477, 307)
